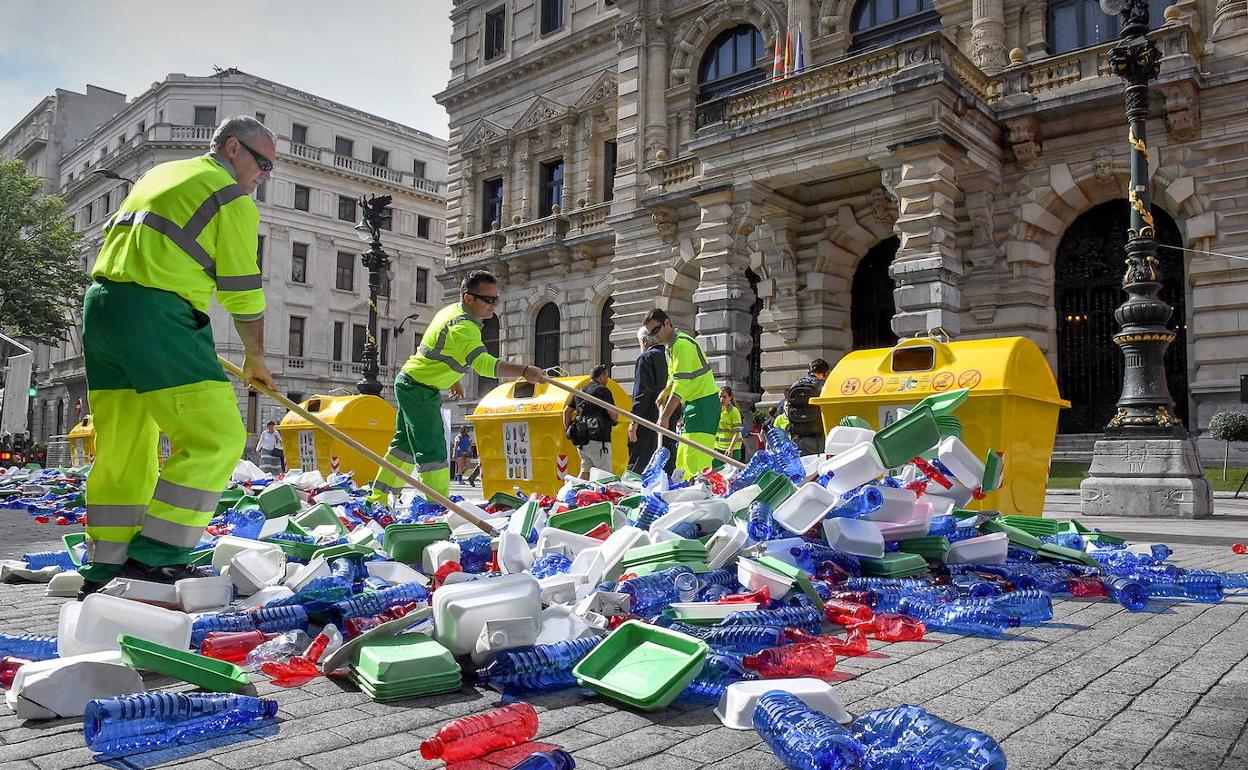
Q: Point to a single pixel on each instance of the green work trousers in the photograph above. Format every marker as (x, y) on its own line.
(701, 424)
(419, 443)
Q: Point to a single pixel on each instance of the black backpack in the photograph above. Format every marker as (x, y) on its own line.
(591, 422)
(805, 418)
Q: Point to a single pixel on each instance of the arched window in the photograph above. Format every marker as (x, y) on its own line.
(877, 23)
(871, 306)
(754, 379)
(606, 325)
(546, 337)
(489, 338)
(731, 61)
(1075, 24)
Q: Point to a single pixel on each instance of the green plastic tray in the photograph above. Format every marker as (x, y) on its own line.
(907, 438)
(72, 540)
(949, 426)
(280, 500)
(1016, 535)
(796, 574)
(932, 547)
(229, 498)
(775, 488)
(668, 549)
(854, 421)
(407, 542)
(582, 520)
(208, 673)
(406, 658)
(300, 551)
(318, 515)
(944, 404)
(346, 549)
(505, 500)
(895, 564)
(1061, 553)
(201, 558)
(642, 665)
(994, 471)
(641, 570)
(1033, 524)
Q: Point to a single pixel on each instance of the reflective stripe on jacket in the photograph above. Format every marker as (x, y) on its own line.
(450, 346)
(689, 373)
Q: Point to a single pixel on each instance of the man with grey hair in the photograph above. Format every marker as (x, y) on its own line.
(186, 232)
(649, 377)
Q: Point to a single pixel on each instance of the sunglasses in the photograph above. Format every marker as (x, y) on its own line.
(486, 298)
(652, 333)
(264, 163)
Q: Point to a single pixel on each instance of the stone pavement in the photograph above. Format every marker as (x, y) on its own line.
(1096, 688)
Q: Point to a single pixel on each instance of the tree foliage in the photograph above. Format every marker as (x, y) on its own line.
(1229, 426)
(40, 278)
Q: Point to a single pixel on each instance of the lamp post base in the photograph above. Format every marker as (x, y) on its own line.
(1154, 477)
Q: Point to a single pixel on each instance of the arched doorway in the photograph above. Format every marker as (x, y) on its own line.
(871, 308)
(1088, 288)
(546, 337)
(606, 326)
(489, 338)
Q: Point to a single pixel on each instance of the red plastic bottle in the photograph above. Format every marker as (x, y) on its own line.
(1087, 586)
(444, 571)
(796, 660)
(760, 595)
(845, 612)
(600, 532)
(475, 736)
(890, 627)
(231, 646)
(1239, 548)
(8, 669)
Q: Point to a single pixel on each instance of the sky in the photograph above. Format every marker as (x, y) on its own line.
(390, 62)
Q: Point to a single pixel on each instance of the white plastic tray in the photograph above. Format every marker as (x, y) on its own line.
(861, 538)
(804, 508)
(736, 705)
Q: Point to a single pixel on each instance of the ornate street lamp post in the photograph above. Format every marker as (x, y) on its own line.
(1146, 465)
(375, 214)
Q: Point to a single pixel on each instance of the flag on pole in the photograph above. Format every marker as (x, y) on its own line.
(800, 57)
(788, 52)
(777, 64)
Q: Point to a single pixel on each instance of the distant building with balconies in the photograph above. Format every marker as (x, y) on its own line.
(933, 166)
(328, 154)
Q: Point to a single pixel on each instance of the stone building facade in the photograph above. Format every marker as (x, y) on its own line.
(955, 165)
(328, 154)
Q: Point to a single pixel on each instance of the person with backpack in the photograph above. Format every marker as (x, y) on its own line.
(728, 437)
(804, 420)
(588, 426)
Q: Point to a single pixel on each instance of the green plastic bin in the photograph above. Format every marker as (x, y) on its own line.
(582, 520)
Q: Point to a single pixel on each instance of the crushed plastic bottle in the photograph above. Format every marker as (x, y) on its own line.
(538, 668)
(909, 738)
(245, 523)
(474, 553)
(802, 738)
(133, 723)
(796, 660)
(28, 646)
(653, 476)
(477, 735)
(280, 648)
(555, 759)
(60, 559)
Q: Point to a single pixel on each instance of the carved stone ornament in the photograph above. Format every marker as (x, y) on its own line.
(883, 206)
(665, 221)
(628, 31)
(1024, 139)
(1182, 110)
(1104, 171)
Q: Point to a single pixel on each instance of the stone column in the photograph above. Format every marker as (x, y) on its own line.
(1230, 17)
(467, 197)
(723, 296)
(988, 35)
(567, 136)
(520, 182)
(928, 269)
(589, 136)
(655, 89)
(798, 15)
(629, 131)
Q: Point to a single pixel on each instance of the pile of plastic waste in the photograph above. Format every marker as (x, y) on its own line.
(741, 590)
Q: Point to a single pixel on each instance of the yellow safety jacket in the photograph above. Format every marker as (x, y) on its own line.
(729, 427)
(187, 227)
(689, 374)
(451, 345)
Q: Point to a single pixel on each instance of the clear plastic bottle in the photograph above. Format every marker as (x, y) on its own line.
(785, 454)
(133, 723)
(806, 618)
(858, 502)
(804, 739)
(909, 738)
(759, 523)
(477, 735)
(376, 602)
(28, 646)
(651, 594)
(282, 647)
(555, 759)
(540, 668)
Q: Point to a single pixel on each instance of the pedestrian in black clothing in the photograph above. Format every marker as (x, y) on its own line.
(649, 379)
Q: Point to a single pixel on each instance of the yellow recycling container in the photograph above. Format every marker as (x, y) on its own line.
(520, 437)
(82, 443)
(367, 419)
(1012, 406)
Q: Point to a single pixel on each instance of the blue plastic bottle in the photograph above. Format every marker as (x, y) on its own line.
(721, 577)
(804, 739)
(909, 738)
(759, 463)
(474, 553)
(961, 620)
(654, 476)
(28, 646)
(1131, 594)
(806, 618)
(539, 668)
(652, 507)
(651, 594)
(377, 602)
(555, 759)
(785, 454)
(1201, 588)
(275, 620)
(133, 723)
(759, 523)
(743, 639)
(810, 555)
(1030, 605)
(345, 570)
(317, 596)
(49, 559)
(548, 564)
(942, 526)
(221, 621)
(858, 502)
(245, 523)
(686, 529)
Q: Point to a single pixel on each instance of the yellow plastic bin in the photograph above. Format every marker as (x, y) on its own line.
(520, 438)
(1012, 406)
(367, 419)
(82, 443)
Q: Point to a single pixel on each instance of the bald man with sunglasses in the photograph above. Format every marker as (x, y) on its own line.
(450, 346)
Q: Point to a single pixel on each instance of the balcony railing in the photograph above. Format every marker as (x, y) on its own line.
(674, 174)
(368, 169)
(305, 151)
(587, 222)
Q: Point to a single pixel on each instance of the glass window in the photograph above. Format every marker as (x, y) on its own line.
(422, 285)
(495, 43)
(491, 203)
(359, 335)
(381, 157)
(878, 23)
(298, 133)
(610, 157)
(339, 328)
(344, 147)
(346, 209)
(299, 262)
(384, 335)
(734, 51)
(303, 196)
(387, 222)
(383, 282)
(142, 127)
(546, 337)
(345, 278)
(1075, 24)
(294, 346)
(206, 116)
(552, 15)
(418, 169)
(260, 116)
(552, 187)
(422, 226)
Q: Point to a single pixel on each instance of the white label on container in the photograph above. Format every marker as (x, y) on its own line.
(517, 453)
(891, 414)
(307, 451)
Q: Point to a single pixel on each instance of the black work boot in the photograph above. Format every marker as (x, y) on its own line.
(89, 587)
(170, 573)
